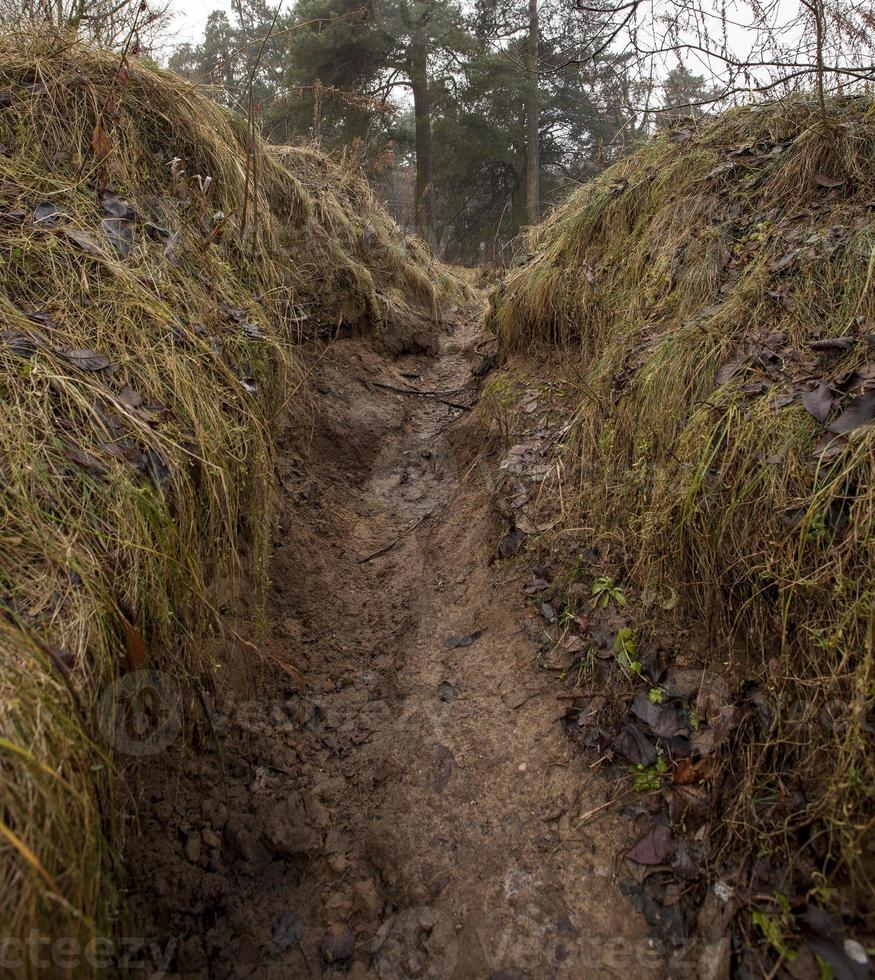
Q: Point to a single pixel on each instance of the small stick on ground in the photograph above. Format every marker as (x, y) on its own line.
(425, 394)
(391, 544)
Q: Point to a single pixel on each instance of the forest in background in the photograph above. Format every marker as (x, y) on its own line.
(446, 108)
(473, 118)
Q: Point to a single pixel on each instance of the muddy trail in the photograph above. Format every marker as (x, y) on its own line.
(412, 809)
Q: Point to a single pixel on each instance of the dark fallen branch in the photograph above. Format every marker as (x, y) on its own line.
(436, 395)
(392, 543)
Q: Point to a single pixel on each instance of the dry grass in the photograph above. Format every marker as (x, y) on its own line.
(128, 476)
(744, 241)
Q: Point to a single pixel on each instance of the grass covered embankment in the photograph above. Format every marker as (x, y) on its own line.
(156, 265)
(716, 292)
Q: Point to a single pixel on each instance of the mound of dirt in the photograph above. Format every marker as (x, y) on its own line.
(712, 297)
(158, 265)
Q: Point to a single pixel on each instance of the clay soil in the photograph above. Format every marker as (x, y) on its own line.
(413, 808)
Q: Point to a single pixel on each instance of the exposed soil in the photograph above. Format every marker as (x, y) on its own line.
(411, 811)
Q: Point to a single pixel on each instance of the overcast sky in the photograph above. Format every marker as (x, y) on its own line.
(191, 15)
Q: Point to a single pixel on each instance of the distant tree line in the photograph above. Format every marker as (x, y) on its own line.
(471, 116)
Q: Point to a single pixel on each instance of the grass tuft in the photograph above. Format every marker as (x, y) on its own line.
(155, 273)
(694, 284)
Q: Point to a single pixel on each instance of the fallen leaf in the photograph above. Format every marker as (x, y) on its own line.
(454, 642)
(730, 369)
(130, 398)
(818, 402)
(823, 181)
(113, 204)
(721, 168)
(662, 719)
(19, 343)
(828, 447)
(635, 746)
(88, 360)
(135, 646)
(47, 215)
(860, 412)
(100, 142)
(157, 468)
(83, 240)
(548, 612)
(657, 846)
(43, 319)
(511, 543)
(120, 233)
(90, 463)
(785, 261)
(156, 232)
(833, 343)
(687, 772)
(825, 937)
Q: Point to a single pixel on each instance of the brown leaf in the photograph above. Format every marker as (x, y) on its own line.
(90, 463)
(113, 204)
(818, 402)
(728, 371)
(823, 181)
(785, 261)
(20, 343)
(100, 142)
(83, 240)
(828, 447)
(120, 234)
(657, 846)
(135, 646)
(130, 398)
(88, 360)
(860, 412)
(833, 343)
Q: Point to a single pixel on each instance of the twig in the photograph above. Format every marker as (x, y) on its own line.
(425, 394)
(391, 544)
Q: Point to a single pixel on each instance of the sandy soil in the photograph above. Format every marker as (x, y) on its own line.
(411, 811)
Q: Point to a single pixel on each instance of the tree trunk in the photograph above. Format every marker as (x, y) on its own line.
(533, 162)
(422, 115)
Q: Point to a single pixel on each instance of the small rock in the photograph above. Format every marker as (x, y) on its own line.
(193, 847)
(338, 946)
(210, 837)
(446, 692)
(522, 767)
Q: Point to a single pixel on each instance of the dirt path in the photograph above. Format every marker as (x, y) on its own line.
(413, 813)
